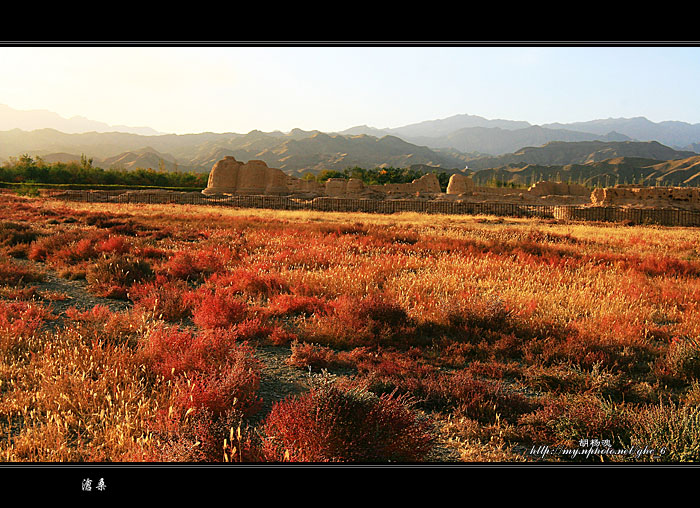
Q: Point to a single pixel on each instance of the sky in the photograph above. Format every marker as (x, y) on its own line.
(197, 88)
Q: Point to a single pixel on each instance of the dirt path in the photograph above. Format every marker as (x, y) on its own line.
(76, 291)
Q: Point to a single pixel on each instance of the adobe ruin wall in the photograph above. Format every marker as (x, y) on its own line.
(229, 176)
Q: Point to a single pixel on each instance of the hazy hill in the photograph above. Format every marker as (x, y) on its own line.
(623, 170)
(562, 153)
(296, 151)
(449, 143)
(473, 133)
(143, 158)
(497, 141)
(675, 134)
(41, 119)
(443, 127)
(323, 151)
(678, 172)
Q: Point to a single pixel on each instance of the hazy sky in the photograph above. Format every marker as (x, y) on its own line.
(238, 89)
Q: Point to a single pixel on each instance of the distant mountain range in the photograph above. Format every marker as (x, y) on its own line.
(608, 172)
(468, 133)
(581, 152)
(294, 153)
(41, 119)
(452, 143)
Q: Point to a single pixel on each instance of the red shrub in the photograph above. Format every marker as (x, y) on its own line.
(20, 320)
(171, 352)
(12, 233)
(212, 369)
(150, 253)
(564, 420)
(386, 364)
(220, 308)
(249, 282)
(477, 399)
(113, 245)
(19, 293)
(166, 299)
(281, 337)
(185, 265)
(372, 320)
(329, 424)
(305, 355)
(235, 385)
(680, 364)
(201, 436)
(13, 274)
(309, 257)
(37, 252)
(99, 314)
(651, 265)
(661, 265)
(253, 329)
(82, 249)
(289, 305)
(43, 248)
(111, 277)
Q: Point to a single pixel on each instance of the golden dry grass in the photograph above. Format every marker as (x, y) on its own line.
(70, 396)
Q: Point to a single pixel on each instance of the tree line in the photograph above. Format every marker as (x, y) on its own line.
(33, 170)
(378, 176)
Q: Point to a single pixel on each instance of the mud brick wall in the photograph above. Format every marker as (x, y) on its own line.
(661, 216)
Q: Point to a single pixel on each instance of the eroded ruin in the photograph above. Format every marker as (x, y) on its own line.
(254, 178)
(229, 176)
(684, 198)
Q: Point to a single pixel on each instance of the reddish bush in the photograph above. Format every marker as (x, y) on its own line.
(43, 248)
(253, 329)
(19, 293)
(12, 233)
(477, 399)
(150, 253)
(249, 282)
(305, 355)
(202, 436)
(564, 420)
(369, 321)
(234, 385)
(99, 314)
(662, 265)
(290, 305)
(220, 308)
(82, 248)
(20, 320)
(680, 365)
(171, 352)
(186, 265)
(166, 299)
(281, 337)
(651, 265)
(113, 245)
(111, 277)
(13, 274)
(329, 424)
(212, 368)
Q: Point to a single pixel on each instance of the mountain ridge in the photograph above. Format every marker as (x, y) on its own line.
(451, 143)
(41, 118)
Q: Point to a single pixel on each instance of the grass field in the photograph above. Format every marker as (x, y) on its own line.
(150, 333)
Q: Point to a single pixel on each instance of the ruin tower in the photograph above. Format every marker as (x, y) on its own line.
(460, 184)
(223, 177)
(229, 176)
